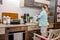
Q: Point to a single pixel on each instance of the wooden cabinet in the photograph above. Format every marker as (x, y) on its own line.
(29, 3)
(35, 3)
(15, 29)
(2, 36)
(57, 25)
(33, 27)
(26, 3)
(32, 4)
(28, 30)
(2, 30)
(30, 34)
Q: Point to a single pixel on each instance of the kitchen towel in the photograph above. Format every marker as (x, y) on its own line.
(18, 36)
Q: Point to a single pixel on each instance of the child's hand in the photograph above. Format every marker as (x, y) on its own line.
(37, 19)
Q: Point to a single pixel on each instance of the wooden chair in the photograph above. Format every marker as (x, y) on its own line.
(54, 34)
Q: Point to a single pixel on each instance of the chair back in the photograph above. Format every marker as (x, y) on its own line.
(54, 33)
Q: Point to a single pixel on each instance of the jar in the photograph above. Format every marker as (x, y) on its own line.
(21, 21)
(4, 20)
(8, 19)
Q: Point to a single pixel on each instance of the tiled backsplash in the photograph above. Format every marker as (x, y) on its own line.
(13, 6)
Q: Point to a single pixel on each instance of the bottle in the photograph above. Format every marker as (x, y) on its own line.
(24, 18)
(4, 20)
(21, 20)
(8, 19)
(28, 18)
(31, 19)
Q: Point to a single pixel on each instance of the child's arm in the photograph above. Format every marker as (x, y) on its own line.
(40, 15)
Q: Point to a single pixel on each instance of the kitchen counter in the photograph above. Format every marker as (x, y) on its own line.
(3, 26)
(30, 26)
(5, 29)
(27, 24)
(10, 25)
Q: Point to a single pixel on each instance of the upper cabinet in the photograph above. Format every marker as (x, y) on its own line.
(33, 3)
(42, 1)
(26, 3)
(29, 3)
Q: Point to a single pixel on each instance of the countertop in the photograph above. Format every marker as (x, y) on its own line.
(10, 25)
(27, 24)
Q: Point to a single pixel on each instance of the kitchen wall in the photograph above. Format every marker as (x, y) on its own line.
(0, 11)
(13, 6)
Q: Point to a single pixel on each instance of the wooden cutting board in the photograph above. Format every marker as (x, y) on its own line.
(14, 16)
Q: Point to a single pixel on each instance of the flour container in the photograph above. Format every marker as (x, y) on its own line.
(4, 20)
(8, 19)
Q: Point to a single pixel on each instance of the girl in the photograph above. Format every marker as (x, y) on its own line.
(43, 21)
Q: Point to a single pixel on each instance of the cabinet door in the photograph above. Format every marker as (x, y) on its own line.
(30, 34)
(28, 3)
(2, 36)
